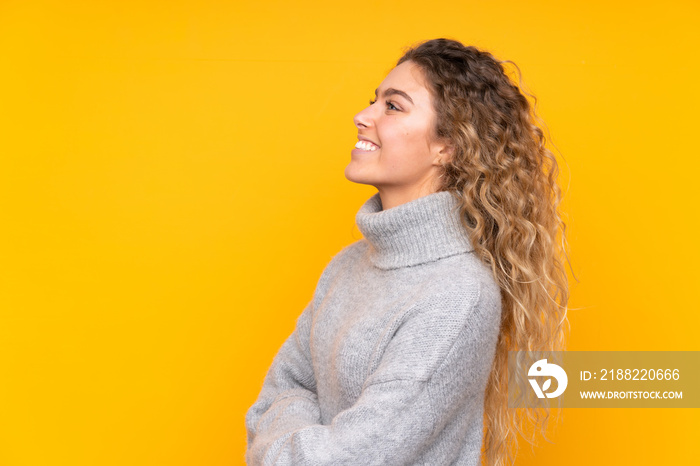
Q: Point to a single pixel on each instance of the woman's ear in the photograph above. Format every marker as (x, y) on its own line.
(444, 154)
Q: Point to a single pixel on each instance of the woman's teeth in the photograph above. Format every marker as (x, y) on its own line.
(366, 145)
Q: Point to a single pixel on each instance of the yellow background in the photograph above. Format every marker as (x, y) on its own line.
(171, 187)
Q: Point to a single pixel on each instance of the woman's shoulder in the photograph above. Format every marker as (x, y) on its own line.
(347, 255)
(351, 251)
(339, 261)
(461, 272)
(468, 284)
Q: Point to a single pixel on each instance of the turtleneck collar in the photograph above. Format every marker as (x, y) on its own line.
(419, 231)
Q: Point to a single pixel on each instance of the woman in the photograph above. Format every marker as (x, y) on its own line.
(400, 357)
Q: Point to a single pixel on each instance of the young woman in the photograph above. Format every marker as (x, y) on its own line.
(400, 357)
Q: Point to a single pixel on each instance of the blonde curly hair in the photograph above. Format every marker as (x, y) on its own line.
(505, 180)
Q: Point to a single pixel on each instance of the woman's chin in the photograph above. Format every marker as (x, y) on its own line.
(355, 179)
(355, 173)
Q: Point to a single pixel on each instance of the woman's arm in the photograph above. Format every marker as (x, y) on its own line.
(433, 370)
(288, 399)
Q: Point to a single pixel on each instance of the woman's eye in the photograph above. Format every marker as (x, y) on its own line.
(389, 105)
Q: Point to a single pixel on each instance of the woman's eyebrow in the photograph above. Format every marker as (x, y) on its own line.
(392, 91)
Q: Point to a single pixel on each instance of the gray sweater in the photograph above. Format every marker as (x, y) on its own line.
(389, 361)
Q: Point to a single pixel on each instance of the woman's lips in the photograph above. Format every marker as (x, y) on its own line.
(366, 146)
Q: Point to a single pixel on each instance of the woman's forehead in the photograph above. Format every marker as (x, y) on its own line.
(408, 78)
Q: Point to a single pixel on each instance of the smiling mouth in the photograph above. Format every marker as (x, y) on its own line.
(366, 145)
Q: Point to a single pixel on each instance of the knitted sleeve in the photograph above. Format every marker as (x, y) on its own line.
(433, 370)
(288, 399)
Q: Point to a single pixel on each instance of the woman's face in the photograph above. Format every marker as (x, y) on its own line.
(395, 152)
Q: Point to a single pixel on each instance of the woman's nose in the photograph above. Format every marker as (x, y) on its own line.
(363, 119)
